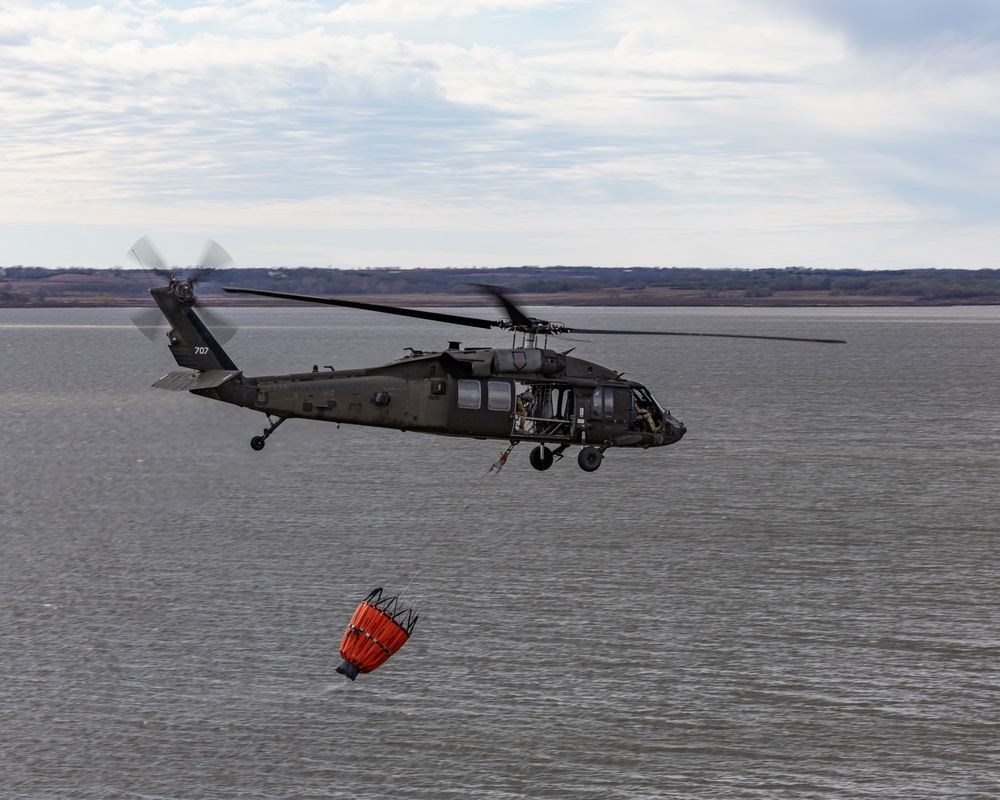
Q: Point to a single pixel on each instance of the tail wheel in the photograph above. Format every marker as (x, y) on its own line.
(258, 442)
(590, 459)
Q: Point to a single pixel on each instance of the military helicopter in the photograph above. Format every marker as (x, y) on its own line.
(526, 393)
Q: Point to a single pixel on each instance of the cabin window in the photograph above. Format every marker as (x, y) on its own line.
(498, 396)
(470, 394)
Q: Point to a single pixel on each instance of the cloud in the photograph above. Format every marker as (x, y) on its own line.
(906, 23)
(718, 38)
(394, 12)
(530, 122)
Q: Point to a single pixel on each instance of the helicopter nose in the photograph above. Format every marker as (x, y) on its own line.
(673, 429)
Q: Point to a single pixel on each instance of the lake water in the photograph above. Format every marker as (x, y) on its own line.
(799, 600)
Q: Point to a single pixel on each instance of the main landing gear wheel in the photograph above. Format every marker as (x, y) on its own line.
(590, 459)
(258, 442)
(541, 458)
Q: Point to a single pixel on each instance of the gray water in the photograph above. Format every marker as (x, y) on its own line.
(799, 600)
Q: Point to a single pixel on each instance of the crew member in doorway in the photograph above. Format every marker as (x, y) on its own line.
(521, 402)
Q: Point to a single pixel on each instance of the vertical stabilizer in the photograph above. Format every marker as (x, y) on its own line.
(191, 342)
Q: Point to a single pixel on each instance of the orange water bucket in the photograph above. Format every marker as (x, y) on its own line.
(378, 628)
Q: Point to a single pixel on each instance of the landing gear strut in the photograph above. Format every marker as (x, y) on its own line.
(541, 458)
(258, 442)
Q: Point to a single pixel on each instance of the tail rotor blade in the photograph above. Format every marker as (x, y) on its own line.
(214, 257)
(145, 252)
(150, 323)
(222, 328)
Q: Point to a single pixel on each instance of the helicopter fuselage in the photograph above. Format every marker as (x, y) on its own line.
(527, 394)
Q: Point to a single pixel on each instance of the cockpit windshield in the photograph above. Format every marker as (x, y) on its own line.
(647, 415)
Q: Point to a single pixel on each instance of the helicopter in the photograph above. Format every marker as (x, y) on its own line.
(526, 393)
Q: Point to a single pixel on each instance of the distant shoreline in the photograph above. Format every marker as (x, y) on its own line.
(31, 287)
(649, 298)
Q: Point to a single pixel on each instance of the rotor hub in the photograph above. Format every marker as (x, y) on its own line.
(184, 291)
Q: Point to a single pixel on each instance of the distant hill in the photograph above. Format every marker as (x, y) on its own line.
(585, 286)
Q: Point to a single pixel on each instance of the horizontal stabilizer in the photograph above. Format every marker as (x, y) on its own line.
(189, 381)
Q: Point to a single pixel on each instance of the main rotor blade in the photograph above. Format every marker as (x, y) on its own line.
(433, 316)
(521, 320)
(716, 335)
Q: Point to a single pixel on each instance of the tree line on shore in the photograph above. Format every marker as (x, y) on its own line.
(26, 286)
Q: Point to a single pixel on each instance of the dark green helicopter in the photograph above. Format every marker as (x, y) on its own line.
(527, 393)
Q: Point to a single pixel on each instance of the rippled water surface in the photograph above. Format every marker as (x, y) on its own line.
(799, 600)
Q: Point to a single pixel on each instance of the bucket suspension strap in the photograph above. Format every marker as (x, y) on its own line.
(499, 463)
(493, 470)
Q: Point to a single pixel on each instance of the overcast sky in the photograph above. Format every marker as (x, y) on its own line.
(434, 133)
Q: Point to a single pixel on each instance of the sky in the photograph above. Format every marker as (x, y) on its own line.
(490, 133)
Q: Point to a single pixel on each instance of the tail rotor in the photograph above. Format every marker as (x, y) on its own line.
(150, 322)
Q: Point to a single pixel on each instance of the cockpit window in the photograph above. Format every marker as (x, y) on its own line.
(646, 412)
(603, 403)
